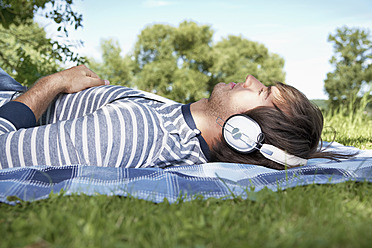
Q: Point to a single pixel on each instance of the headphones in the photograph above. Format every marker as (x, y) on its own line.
(244, 135)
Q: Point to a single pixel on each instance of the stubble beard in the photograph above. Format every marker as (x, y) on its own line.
(218, 105)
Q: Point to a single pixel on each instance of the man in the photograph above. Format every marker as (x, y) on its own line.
(118, 126)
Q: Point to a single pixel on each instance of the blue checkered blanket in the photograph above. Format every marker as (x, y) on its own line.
(219, 180)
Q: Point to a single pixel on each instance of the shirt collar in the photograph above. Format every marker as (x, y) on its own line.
(191, 123)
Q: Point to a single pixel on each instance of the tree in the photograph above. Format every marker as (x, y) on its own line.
(114, 67)
(174, 62)
(21, 12)
(28, 41)
(353, 65)
(181, 63)
(26, 54)
(235, 57)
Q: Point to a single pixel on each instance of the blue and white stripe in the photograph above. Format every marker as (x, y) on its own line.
(103, 126)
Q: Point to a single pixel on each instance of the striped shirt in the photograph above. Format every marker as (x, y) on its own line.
(105, 126)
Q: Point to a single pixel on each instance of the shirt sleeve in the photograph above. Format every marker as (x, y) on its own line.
(73, 106)
(15, 115)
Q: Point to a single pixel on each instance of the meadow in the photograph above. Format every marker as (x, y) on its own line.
(312, 216)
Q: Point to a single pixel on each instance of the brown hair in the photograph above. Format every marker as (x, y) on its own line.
(293, 125)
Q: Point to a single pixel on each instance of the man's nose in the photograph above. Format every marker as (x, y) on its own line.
(253, 83)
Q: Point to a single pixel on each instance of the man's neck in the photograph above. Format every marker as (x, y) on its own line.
(205, 121)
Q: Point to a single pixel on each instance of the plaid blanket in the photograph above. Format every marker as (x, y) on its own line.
(219, 180)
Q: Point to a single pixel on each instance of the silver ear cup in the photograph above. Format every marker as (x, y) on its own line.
(244, 135)
(241, 133)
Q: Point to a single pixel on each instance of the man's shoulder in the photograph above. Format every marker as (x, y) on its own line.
(158, 98)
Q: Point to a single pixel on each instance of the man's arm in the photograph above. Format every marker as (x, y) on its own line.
(24, 111)
(47, 88)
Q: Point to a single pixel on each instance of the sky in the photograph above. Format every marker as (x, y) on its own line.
(296, 30)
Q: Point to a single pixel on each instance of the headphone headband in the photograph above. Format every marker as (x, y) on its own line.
(243, 134)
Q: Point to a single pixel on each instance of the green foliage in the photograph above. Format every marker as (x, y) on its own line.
(353, 65)
(21, 12)
(322, 104)
(350, 125)
(174, 62)
(182, 64)
(114, 68)
(25, 52)
(236, 57)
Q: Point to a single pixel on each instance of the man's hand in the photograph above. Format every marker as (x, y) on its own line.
(76, 79)
(47, 88)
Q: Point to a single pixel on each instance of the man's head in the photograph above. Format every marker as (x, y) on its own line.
(287, 118)
(237, 98)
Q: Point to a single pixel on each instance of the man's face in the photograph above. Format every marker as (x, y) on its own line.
(230, 99)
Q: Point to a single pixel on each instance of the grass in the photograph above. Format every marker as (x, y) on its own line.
(350, 127)
(313, 216)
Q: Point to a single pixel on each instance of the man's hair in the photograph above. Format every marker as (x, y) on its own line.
(294, 125)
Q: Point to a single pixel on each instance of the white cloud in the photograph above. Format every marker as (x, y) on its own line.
(155, 3)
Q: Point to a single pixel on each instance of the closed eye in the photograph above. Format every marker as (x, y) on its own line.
(268, 92)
